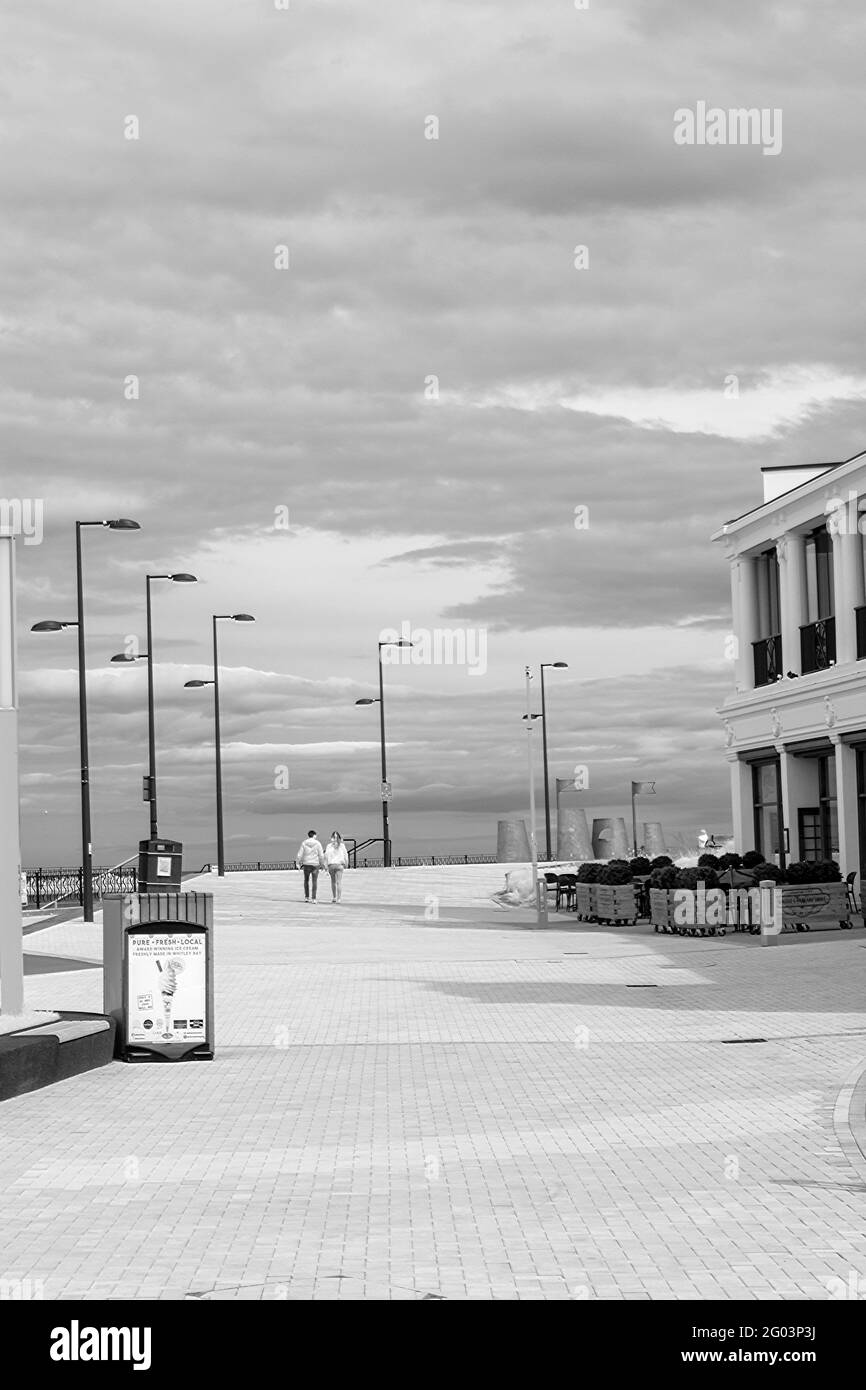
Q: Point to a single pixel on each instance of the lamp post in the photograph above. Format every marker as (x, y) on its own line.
(11, 953)
(151, 722)
(386, 839)
(540, 893)
(120, 524)
(198, 685)
(556, 666)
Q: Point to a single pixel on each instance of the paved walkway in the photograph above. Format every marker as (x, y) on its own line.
(417, 1095)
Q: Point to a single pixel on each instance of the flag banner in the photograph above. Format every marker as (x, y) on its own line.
(562, 782)
(643, 788)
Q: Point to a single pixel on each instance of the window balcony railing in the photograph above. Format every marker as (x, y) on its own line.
(818, 645)
(860, 615)
(767, 654)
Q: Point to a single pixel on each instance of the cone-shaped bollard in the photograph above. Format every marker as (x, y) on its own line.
(512, 842)
(609, 840)
(572, 834)
(653, 839)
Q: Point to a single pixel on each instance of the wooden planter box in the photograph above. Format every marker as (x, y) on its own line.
(583, 905)
(663, 913)
(661, 909)
(615, 902)
(814, 904)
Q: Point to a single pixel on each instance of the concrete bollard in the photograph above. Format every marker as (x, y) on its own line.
(609, 840)
(572, 834)
(653, 839)
(512, 842)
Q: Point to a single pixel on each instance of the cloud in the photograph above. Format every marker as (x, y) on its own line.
(261, 390)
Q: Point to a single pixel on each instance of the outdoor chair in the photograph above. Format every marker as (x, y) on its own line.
(850, 880)
(551, 885)
(566, 887)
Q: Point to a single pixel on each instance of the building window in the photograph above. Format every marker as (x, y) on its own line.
(767, 574)
(766, 796)
(819, 575)
(829, 811)
(819, 825)
(767, 650)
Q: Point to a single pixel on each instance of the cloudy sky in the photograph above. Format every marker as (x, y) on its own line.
(399, 426)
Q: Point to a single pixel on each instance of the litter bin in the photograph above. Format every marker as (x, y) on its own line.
(159, 865)
(158, 975)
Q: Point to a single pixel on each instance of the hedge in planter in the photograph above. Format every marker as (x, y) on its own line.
(587, 877)
(615, 897)
(812, 891)
(688, 902)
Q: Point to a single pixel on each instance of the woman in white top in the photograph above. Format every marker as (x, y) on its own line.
(336, 860)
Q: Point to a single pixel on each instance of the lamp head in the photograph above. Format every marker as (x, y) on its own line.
(195, 685)
(183, 579)
(366, 701)
(124, 656)
(242, 618)
(49, 625)
(122, 523)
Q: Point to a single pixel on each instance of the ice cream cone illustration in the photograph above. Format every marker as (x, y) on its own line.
(168, 985)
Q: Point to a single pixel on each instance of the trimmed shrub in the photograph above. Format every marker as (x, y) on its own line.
(769, 871)
(661, 861)
(664, 876)
(730, 861)
(615, 873)
(814, 871)
(691, 878)
(751, 858)
(588, 873)
(640, 866)
(710, 860)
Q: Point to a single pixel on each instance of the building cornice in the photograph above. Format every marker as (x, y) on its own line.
(792, 509)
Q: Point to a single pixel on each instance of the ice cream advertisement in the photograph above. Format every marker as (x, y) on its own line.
(166, 987)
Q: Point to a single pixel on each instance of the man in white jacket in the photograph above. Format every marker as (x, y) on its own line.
(311, 858)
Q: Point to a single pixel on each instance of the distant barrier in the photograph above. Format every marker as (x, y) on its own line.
(64, 886)
(48, 886)
(409, 862)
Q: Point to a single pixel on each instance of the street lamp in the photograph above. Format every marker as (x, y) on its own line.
(151, 723)
(386, 840)
(540, 894)
(198, 685)
(555, 666)
(120, 524)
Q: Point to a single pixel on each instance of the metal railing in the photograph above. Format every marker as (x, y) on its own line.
(767, 655)
(818, 645)
(402, 862)
(56, 887)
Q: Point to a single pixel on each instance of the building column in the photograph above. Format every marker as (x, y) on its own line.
(742, 806)
(846, 806)
(791, 550)
(744, 604)
(848, 586)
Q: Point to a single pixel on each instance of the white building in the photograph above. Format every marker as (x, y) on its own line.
(795, 728)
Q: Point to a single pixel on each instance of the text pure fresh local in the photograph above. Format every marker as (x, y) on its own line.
(77, 1343)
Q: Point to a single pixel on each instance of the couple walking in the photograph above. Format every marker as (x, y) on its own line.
(311, 857)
